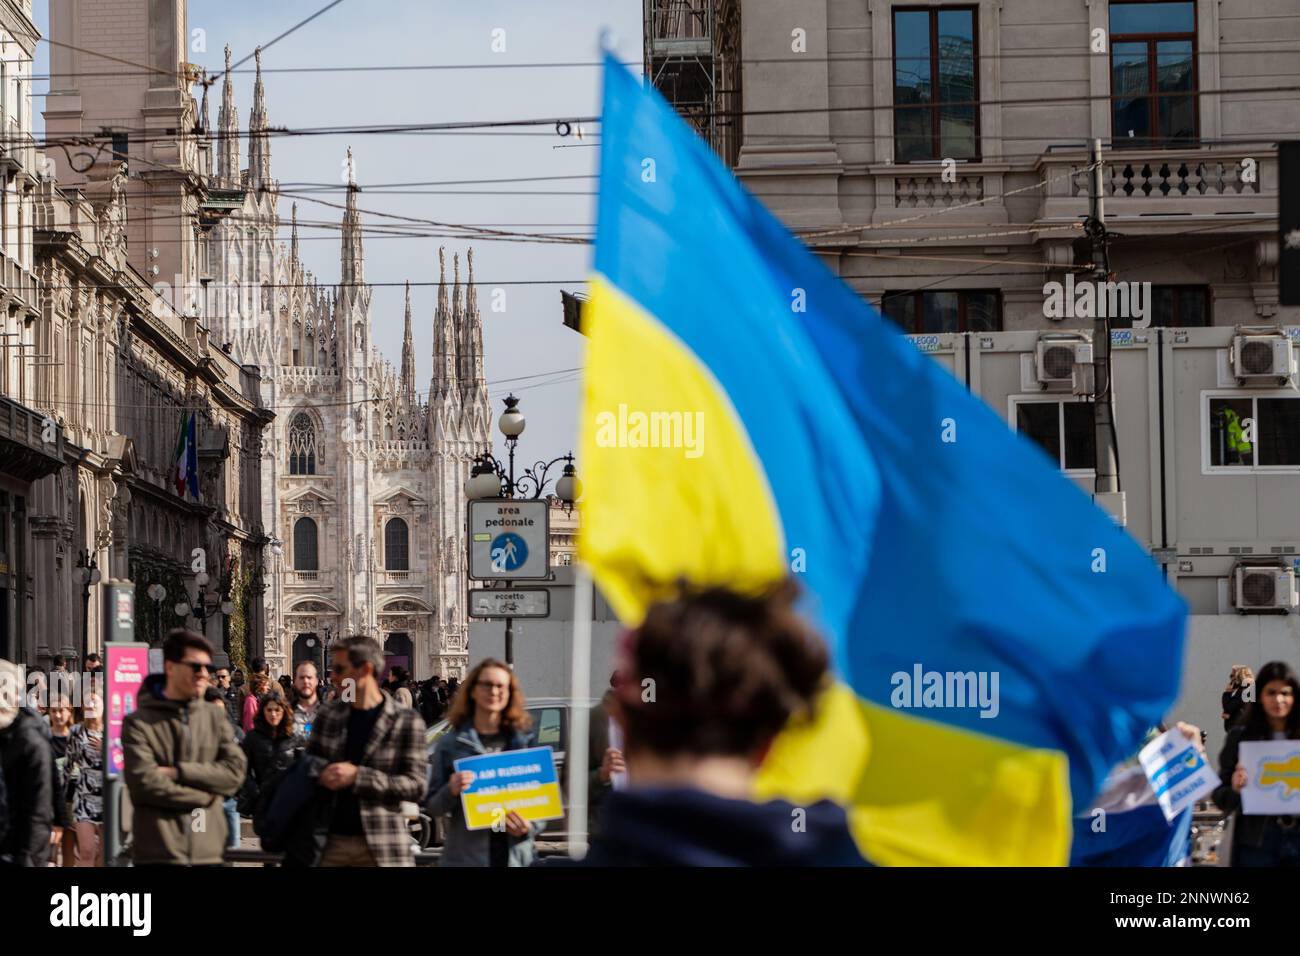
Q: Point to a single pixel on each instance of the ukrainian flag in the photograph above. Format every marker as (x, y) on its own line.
(747, 416)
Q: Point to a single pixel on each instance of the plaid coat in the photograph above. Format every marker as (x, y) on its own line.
(394, 768)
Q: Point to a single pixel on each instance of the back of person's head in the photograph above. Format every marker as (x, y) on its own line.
(1256, 721)
(179, 640)
(259, 684)
(259, 666)
(728, 671)
(213, 696)
(360, 650)
(60, 661)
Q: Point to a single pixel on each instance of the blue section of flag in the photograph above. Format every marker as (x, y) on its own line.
(1137, 837)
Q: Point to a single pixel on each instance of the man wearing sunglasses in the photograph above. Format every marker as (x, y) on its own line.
(181, 760)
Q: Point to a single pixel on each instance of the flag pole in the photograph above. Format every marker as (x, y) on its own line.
(579, 713)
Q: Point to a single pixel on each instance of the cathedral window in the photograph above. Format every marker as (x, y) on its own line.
(304, 545)
(397, 555)
(302, 443)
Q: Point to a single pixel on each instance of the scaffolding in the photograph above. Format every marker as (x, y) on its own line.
(692, 56)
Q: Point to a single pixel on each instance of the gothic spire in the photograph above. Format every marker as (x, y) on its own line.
(353, 256)
(293, 237)
(471, 331)
(408, 357)
(444, 338)
(259, 143)
(228, 133)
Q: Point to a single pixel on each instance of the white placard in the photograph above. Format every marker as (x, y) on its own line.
(1272, 777)
(1178, 772)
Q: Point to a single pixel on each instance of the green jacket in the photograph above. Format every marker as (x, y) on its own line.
(196, 738)
(1236, 433)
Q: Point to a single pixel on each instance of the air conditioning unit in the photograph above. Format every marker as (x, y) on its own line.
(1264, 588)
(1266, 358)
(1061, 359)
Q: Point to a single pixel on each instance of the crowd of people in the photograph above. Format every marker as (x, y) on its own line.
(333, 772)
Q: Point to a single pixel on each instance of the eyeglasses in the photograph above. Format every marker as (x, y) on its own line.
(486, 686)
(197, 667)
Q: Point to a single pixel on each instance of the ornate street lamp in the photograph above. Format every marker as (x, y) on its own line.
(490, 479)
(157, 593)
(88, 575)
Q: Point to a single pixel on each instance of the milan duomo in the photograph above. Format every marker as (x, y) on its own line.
(362, 479)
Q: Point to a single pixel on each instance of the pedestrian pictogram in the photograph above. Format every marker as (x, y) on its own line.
(509, 552)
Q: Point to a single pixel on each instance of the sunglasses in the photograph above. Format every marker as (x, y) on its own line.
(197, 667)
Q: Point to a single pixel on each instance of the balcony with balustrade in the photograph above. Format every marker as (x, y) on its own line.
(1167, 191)
(311, 580)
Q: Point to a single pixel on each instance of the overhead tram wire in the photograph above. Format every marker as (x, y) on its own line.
(399, 128)
(1053, 53)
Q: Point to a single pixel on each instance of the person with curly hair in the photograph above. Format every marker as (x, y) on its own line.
(707, 682)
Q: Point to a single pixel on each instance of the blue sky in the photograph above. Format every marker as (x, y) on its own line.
(527, 337)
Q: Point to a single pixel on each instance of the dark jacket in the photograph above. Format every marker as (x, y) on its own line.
(465, 847)
(685, 827)
(597, 744)
(1250, 829)
(234, 701)
(28, 766)
(294, 815)
(196, 739)
(267, 756)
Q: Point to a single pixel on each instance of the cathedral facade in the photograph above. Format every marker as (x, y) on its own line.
(362, 476)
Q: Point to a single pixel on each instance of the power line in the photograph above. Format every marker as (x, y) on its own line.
(1052, 53)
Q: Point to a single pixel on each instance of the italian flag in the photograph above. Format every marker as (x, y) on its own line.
(186, 474)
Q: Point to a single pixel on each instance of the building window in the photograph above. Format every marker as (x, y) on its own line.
(302, 446)
(396, 546)
(304, 545)
(934, 71)
(1175, 307)
(121, 147)
(1152, 73)
(1063, 429)
(1253, 431)
(928, 312)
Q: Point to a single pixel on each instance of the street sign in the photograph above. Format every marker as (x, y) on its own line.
(509, 539)
(509, 602)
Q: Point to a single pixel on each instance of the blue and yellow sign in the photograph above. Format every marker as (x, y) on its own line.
(522, 781)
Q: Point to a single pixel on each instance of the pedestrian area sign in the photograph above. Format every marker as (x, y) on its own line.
(518, 781)
(509, 602)
(508, 539)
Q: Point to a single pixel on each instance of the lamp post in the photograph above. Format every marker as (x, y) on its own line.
(88, 575)
(489, 478)
(157, 593)
(205, 605)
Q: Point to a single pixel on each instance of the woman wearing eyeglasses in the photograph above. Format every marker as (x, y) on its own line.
(487, 716)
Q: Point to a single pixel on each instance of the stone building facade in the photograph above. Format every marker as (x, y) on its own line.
(103, 358)
(952, 218)
(364, 476)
